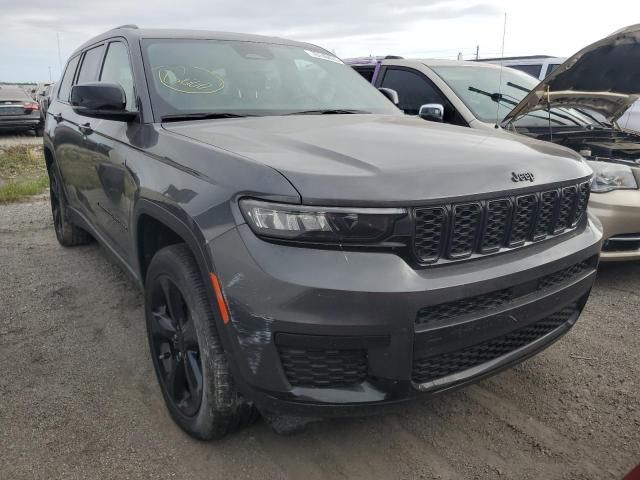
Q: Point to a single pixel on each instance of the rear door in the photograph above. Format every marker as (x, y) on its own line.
(77, 163)
(63, 130)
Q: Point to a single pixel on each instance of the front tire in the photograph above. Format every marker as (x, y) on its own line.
(187, 355)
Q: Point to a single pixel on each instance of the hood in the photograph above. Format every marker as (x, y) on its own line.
(604, 77)
(384, 159)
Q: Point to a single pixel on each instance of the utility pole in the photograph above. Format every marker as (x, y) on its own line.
(59, 55)
(477, 51)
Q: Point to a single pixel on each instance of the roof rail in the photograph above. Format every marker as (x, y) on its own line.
(128, 25)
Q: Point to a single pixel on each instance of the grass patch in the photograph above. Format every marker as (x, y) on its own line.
(23, 173)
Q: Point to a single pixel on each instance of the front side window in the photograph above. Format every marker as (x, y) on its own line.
(67, 79)
(90, 65)
(251, 78)
(117, 69)
(414, 90)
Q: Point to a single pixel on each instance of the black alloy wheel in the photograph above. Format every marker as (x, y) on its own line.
(188, 358)
(175, 346)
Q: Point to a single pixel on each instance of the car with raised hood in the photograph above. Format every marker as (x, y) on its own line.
(305, 249)
(18, 111)
(584, 104)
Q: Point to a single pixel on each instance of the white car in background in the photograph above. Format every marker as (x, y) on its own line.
(538, 66)
(581, 105)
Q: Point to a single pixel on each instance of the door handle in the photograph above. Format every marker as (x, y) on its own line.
(85, 128)
(57, 117)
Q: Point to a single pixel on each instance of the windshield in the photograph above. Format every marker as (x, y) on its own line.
(480, 88)
(250, 78)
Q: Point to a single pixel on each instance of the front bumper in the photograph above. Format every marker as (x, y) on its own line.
(329, 332)
(619, 213)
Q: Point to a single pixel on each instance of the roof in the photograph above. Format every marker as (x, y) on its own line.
(133, 33)
(524, 57)
(430, 62)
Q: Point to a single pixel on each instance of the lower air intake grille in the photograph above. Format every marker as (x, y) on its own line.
(563, 275)
(427, 369)
(496, 299)
(324, 368)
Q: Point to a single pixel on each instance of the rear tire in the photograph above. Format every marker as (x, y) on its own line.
(187, 354)
(68, 235)
(39, 131)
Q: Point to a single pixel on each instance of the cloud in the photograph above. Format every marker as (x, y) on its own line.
(29, 30)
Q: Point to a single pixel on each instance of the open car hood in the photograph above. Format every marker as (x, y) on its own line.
(603, 77)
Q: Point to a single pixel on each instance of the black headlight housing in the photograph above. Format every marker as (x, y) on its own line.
(311, 224)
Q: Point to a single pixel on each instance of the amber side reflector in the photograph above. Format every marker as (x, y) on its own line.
(222, 305)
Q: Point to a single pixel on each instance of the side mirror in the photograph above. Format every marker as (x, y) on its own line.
(433, 112)
(101, 100)
(391, 94)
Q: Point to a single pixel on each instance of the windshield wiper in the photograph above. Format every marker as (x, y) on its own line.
(328, 111)
(519, 87)
(496, 97)
(201, 116)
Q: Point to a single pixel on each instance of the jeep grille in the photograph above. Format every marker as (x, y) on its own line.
(460, 230)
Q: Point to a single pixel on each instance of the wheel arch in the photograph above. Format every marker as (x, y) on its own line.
(156, 227)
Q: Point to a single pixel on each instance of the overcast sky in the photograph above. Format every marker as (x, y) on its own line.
(29, 29)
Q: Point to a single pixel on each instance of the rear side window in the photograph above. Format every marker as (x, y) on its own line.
(552, 67)
(413, 89)
(90, 65)
(533, 70)
(67, 79)
(117, 69)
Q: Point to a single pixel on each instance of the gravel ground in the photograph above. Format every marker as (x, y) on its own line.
(9, 139)
(78, 398)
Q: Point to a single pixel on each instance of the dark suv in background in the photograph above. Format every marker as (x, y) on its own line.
(18, 111)
(305, 249)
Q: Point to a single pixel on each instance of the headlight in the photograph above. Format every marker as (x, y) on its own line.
(319, 224)
(611, 176)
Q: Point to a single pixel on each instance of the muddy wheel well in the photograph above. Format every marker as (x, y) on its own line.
(152, 236)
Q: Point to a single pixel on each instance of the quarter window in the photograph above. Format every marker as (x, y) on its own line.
(90, 65)
(117, 69)
(67, 79)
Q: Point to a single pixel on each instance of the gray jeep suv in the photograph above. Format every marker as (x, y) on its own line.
(304, 248)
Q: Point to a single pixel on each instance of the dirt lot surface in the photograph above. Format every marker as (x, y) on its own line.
(8, 139)
(78, 398)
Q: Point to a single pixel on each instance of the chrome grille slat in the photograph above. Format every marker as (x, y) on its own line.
(457, 231)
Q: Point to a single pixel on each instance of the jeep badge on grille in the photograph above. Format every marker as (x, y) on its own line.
(522, 177)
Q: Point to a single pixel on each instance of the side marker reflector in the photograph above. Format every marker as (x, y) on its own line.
(222, 305)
